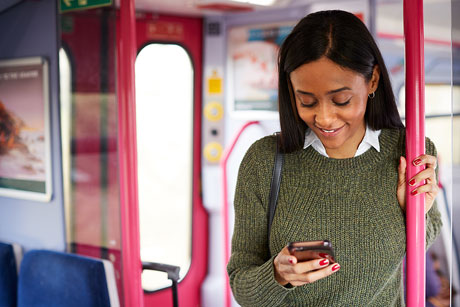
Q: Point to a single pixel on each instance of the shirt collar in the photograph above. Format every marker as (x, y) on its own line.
(371, 139)
(312, 140)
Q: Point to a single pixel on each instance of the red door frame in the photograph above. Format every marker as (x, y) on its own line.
(186, 32)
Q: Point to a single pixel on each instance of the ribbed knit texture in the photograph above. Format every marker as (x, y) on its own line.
(351, 202)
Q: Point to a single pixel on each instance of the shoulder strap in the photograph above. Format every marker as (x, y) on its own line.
(275, 185)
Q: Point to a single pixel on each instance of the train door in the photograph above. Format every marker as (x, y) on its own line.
(173, 222)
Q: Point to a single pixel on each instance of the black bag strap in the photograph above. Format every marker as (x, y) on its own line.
(275, 185)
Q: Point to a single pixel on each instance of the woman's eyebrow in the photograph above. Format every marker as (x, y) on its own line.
(345, 88)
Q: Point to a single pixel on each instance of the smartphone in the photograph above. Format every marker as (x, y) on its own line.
(310, 250)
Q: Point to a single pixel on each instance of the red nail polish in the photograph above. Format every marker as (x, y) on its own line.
(324, 262)
(414, 192)
(417, 161)
(322, 255)
(412, 182)
(335, 267)
(291, 261)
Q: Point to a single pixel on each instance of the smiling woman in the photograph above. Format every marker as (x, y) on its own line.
(343, 179)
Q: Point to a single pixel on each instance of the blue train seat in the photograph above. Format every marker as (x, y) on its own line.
(10, 258)
(55, 279)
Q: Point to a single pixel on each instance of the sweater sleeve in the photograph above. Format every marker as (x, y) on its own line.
(433, 222)
(250, 268)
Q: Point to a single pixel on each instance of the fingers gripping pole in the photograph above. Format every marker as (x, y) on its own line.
(415, 146)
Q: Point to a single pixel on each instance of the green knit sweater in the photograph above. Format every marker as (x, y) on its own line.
(351, 202)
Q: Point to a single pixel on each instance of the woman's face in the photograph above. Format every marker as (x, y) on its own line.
(332, 100)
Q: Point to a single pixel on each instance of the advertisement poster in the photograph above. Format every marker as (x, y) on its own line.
(25, 170)
(253, 56)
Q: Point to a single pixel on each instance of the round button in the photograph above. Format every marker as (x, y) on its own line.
(212, 152)
(214, 111)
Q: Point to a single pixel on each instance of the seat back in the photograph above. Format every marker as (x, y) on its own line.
(10, 255)
(49, 278)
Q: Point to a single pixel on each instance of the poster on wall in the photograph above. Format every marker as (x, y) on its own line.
(25, 162)
(253, 57)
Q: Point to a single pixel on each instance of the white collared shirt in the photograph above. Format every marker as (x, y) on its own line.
(371, 139)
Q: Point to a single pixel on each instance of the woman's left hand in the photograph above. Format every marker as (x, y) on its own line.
(430, 187)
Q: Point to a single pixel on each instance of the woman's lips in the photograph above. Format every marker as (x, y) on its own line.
(330, 132)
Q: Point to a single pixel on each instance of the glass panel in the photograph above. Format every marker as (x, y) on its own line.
(438, 123)
(439, 97)
(438, 127)
(164, 106)
(89, 134)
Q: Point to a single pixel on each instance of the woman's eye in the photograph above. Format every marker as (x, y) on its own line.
(341, 104)
(307, 104)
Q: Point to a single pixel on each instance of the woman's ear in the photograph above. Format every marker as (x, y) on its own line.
(374, 83)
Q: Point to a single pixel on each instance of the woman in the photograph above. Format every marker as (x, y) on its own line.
(343, 177)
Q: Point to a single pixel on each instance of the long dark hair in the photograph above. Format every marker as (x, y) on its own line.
(344, 39)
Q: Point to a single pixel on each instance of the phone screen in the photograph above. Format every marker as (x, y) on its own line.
(309, 250)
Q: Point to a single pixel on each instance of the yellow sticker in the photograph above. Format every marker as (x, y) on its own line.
(215, 83)
(212, 152)
(214, 111)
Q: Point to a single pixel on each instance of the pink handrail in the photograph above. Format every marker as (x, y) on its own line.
(415, 146)
(131, 261)
(223, 165)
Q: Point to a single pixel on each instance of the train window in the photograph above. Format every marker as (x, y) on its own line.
(164, 108)
(438, 100)
(440, 114)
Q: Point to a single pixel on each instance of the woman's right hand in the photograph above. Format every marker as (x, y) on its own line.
(289, 271)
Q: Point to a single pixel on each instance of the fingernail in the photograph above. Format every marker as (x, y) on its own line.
(417, 161)
(324, 262)
(414, 192)
(335, 267)
(412, 182)
(322, 255)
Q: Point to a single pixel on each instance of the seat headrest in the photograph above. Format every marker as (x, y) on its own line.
(49, 278)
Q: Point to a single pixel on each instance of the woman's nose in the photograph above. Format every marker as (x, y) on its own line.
(325, 117)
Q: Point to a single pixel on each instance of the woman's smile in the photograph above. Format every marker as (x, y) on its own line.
(330, 132)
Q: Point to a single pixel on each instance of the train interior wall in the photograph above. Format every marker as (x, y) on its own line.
(29, 223)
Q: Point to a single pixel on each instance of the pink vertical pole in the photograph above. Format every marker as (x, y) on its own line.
(415, 146)
(127, 149)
